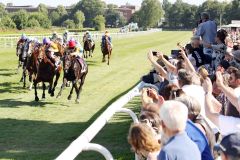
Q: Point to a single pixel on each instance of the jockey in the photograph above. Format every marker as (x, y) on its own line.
(74, 48)
(65, 37)
(23, 38)
(106, 35)
(88, 36)
(54, 36)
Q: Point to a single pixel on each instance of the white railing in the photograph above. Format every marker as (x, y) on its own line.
(10, 41)
(82, 143)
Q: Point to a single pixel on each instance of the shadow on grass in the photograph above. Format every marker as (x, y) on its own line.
(7, 72)
(93, 63)
(14, 103)
(11, 87)
(29, 139)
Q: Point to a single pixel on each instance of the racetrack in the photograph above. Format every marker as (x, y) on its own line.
(31, 130)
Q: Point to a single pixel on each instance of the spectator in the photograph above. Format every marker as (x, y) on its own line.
(226, 124)
(207, 30)
(196, 55)
(141, 138)
(174, 117)
(150, 95)
(230, 147)
(234, 83)
(171, 91)
(194, 115)
(185, 80)
(219, 50)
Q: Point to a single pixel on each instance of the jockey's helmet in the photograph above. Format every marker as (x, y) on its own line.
(23, 37)
(46, 40)
(106, 33)
(87, 32)
(71, 44)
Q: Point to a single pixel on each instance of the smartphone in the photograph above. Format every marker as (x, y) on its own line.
(175, 53)
(154, 53)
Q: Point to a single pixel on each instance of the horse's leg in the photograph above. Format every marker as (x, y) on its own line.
(80, 87)
(55, 83)
(44, 88)
(30, 80)
(70, 95)
(77, 91)
(103, 60)
(108, 57)
(62, 87)
(35, 88)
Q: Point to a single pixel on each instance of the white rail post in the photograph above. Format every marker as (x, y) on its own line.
(100, 149)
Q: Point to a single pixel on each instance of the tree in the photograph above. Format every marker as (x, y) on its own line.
(90, 8)
(20, 18)
(99, 23)
(151, 12)
(43, 8)
(61, 10)
(3, 12)
(41, 18)
(54, 17)
(79, 18)
(112, 16)
(7, 23)
(68, 24)
(33, 23)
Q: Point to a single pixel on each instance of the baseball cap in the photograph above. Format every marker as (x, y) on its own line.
(230, 145)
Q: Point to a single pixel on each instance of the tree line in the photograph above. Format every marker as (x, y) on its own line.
(97, 14)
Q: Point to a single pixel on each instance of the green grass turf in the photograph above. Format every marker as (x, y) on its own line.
(30, 130)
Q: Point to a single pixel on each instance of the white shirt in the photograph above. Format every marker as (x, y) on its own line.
(228, 124)
(198, 93)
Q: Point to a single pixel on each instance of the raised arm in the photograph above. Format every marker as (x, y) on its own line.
(157, 67)
(190, 67)
(229, 92)
(170, 67)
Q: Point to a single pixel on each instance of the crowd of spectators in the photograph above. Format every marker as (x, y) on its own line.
(191, 100)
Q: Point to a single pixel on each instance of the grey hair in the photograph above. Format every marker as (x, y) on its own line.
(194, 107)
(174, 114)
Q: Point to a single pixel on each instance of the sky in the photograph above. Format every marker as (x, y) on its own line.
(70, 2)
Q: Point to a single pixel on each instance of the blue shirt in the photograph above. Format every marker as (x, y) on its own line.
(196, 135)
(208, 31)
(180, 147)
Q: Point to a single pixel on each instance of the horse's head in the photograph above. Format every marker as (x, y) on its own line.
(41, 53)
(31, 46)
(67, 62)
(19, 48)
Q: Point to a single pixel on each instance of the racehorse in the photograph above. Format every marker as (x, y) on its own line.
(88, 47)
(46, 70)
(19, 51)
(106, 50)
(75, 70)
(22, 53)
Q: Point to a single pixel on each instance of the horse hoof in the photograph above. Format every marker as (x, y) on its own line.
(29, 89)
(36, 99)
(52, 94)
(77, 101)
(69, 98)
(58, 96)
(43, 97)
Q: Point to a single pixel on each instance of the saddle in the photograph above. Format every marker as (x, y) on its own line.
(82, 63)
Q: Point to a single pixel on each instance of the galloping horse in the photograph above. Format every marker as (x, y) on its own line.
(106, 50)
(22, 53)
(88, 47)
(46, 70)
(75, 70)
(19, 52)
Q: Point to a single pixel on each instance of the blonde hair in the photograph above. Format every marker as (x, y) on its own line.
(141, 138)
